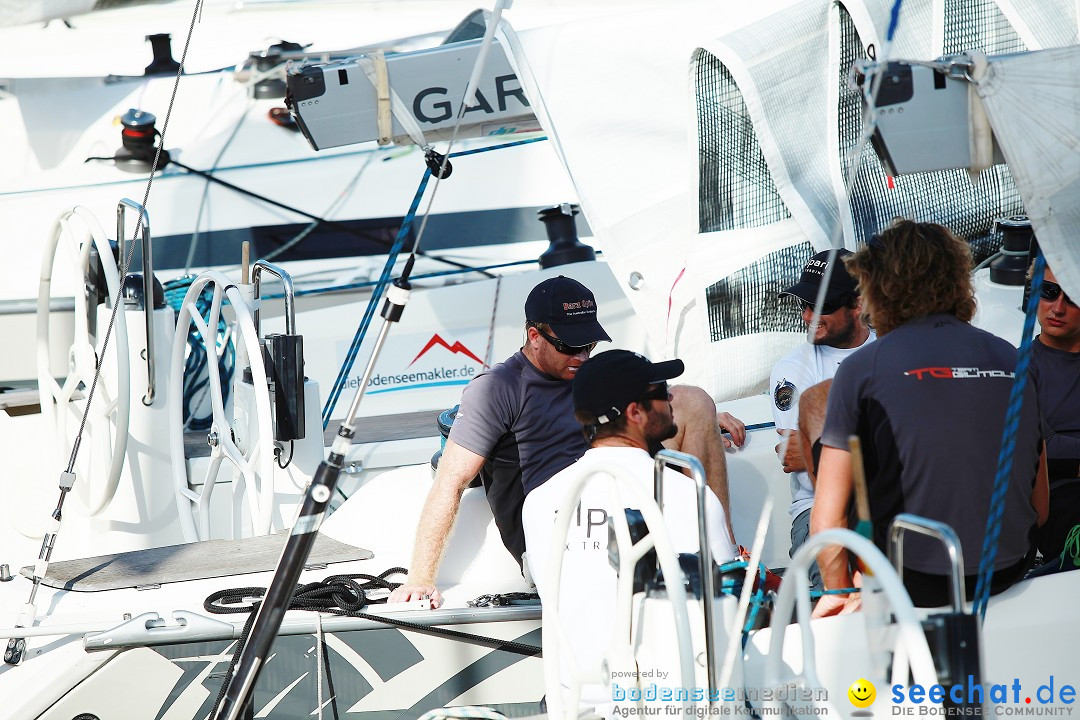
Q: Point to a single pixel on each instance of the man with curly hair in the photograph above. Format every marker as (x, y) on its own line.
(928, 402)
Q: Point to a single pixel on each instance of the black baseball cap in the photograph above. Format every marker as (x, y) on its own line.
(606, 383)
(840, 282)
(568, 307)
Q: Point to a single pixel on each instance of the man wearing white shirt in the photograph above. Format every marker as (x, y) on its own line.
(622, 401)
(841, 330)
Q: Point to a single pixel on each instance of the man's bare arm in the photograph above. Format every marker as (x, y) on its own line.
(699, 435)
(457, 468)
(831, 499)
(812, 406)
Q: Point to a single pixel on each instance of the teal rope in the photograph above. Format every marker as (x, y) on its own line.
(424, 276)
(1008, 445)
(816, 594)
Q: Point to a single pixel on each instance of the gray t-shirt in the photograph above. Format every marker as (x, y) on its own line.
(1056, 374)
(928, 402)
(522, 421)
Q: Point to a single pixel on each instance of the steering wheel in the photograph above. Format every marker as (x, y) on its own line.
(911, 651)
(628, 491)
(104, 444)
(240, 433)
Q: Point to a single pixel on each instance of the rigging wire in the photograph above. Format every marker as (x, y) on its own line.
(203, 200)
(384, 279)
(16, 646)
(336, 224)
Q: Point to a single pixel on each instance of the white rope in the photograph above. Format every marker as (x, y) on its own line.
(380, 81)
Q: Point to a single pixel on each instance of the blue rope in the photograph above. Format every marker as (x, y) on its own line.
(384, 278)
(376, 295)
(1008, 444)
(894, 20)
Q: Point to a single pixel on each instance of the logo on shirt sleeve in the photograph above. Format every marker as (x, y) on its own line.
(785, 395)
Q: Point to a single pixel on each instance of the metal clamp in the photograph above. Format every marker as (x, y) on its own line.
(708, 589)
(152, 629)
(934, 529)
(148, 283)
(257, 270)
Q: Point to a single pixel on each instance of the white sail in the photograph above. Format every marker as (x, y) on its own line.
(1033, 104)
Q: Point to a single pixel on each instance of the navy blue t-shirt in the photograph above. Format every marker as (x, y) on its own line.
(522, 421)
(928, 402)
(1056, 374)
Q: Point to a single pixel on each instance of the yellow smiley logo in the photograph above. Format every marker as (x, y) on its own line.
(862, 693)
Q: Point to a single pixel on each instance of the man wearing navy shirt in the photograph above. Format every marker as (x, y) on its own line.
(516, 428)
(928, 401)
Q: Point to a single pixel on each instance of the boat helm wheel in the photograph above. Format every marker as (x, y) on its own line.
(240, 434)
(884, 599)
(627, 491)
(102, 450)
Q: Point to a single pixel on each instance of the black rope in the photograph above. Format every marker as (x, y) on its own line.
(343, 595)
(315, 218)
(330, 680)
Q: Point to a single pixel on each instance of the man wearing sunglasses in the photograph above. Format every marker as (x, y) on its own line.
(623, 404)
(516, 429)
(1055, 370)
(841, 330)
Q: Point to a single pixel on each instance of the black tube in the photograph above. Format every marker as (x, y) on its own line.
(280, 593)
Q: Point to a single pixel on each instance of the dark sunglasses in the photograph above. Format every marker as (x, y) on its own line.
(660, 392)
(828, 308)
(1050, 292)
(563, 347)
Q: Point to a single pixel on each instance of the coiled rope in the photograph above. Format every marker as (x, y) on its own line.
(196, 379)
(338, 595)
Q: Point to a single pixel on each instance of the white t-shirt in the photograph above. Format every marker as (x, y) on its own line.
(803, 367)
(588, 581)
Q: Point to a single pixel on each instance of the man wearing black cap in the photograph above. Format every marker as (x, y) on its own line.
(516, 428)
(623, 403)
(840, 331)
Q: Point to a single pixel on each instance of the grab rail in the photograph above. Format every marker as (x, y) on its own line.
(931, 528)
(708, 585)
(148, 283)
(257, 270)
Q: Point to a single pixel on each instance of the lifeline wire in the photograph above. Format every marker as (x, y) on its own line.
(1008, 444)
(854, 162)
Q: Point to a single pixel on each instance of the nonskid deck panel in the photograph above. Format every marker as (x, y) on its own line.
(192, 561)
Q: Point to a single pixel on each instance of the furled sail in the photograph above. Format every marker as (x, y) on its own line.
(1033, 103)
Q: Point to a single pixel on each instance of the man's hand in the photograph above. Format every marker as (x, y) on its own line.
(734, 427)
(416, 591)
(837, 605)
(788, 452)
